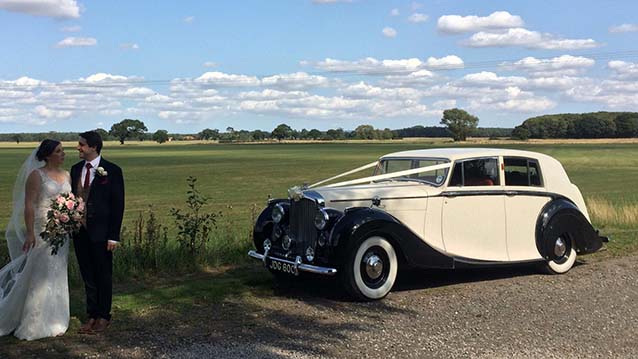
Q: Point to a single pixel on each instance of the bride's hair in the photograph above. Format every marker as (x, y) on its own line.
(46, 148)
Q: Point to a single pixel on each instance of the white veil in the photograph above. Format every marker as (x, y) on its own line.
(16, 229)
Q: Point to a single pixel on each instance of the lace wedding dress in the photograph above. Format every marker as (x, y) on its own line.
(34, 292)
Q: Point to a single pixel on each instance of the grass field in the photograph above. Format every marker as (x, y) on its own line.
(239, 177)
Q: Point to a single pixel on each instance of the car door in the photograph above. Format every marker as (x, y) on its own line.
(526, 196)
(473, 216)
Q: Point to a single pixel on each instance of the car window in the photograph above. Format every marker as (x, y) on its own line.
(436, 177)
(477, 172)
(522, 172)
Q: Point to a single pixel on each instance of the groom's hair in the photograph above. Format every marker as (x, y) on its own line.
(93, 139)
(46, 148)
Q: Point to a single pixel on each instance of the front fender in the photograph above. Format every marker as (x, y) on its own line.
(264, 222)
(563, 216)
(359, 223)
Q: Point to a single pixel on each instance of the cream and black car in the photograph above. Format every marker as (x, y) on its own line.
(435, 208)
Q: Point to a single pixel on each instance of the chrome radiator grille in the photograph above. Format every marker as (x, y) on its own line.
(302, 227)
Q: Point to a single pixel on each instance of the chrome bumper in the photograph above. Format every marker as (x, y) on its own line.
(298, 266)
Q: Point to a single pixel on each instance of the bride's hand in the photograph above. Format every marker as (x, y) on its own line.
(29, 243)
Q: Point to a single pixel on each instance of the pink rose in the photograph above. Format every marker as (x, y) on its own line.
(70, 204)
(71, 195)
(60, 200)
(64, 218)
(80, 207)
(76, 217)
(56, 214)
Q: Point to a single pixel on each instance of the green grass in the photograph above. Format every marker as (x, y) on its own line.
(237, 176)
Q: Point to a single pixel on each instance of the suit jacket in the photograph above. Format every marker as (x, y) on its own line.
(105, 201)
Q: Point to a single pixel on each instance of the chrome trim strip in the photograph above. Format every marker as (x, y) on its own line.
(381, 198)
(297, 264)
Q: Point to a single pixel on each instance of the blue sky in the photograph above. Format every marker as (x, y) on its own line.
(69, 65)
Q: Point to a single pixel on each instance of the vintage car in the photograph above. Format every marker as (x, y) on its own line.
(434, 208)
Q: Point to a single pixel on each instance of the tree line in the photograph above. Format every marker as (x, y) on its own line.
(457, 124)
(585, 125)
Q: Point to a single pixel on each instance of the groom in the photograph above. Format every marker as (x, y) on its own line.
(101, 184)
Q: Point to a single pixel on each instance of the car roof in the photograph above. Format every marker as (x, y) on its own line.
(456, 153)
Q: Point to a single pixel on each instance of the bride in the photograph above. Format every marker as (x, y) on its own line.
(34, 294)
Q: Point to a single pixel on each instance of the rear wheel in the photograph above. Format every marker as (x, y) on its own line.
(564, 255)
(371, 269)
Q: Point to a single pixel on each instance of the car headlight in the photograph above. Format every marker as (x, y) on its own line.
(321, 219)
(278, 213)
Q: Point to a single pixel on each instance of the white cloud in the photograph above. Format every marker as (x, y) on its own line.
(414, 79)
(623, 69)
(529, 39)
(104, 77)
(77, 42)
(417, 18)
(456, 24)
(210, 64)
(444, 104)
(372, 66)
(447, 62)
(223, 80)
(363, 90)
(189, 19)
(74, 28)
(491, 79)
(416, 6)
(138, 92)
(129, 46)
(269, 94)
(561, 65)
(389, 32)
(395, 12)
(624, 28)
(512, 99)
(45, 112)
(62, 9)
(295, 81)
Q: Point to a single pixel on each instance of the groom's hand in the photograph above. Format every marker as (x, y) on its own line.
(111, 245)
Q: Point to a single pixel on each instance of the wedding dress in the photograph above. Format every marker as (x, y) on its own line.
(34, 292)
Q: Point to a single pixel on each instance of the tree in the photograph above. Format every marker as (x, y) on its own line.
(128, 128)
(282, 131)
(626, 125)
(459, 123)
(103, 133)
(314, 134)
(336, 134)
(520, 133)
(160, 136)
(259, 135)
(208, 134)
(364, 132)
(17, 137)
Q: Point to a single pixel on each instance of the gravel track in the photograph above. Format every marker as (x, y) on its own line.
(514, 312)
(590, 312)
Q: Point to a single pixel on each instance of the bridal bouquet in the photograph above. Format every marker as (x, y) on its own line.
(63, 219)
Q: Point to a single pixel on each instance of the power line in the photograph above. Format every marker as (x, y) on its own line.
(487, 64)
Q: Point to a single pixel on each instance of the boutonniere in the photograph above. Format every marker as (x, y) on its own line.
(100, 171)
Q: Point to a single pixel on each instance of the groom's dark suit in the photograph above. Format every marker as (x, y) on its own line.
(104, 212)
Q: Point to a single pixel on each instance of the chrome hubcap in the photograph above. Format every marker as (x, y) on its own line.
(374, 266)
(560, 247)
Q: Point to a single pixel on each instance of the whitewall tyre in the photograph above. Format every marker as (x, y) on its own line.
(565, 256)
(371, 270)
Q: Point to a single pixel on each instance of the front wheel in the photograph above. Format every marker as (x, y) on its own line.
(371, 269)
(564, 255)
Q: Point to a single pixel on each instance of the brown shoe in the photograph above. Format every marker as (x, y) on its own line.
(100, 325)
(87, 327)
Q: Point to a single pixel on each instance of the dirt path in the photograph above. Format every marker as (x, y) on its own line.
(509, 312)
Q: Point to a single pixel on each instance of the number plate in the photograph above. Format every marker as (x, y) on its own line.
(281, 266)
